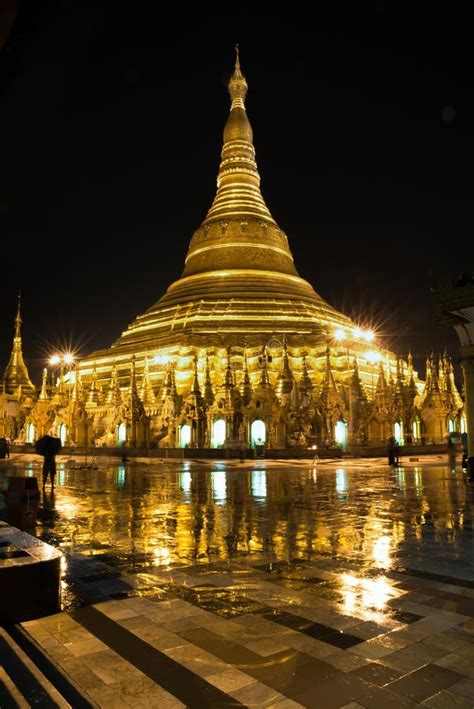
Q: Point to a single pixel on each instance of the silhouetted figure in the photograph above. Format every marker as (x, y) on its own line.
(451, 448)
(49, 468)
(464, 450)
(48, 447)
(124, 452)
(396, 453)
(391, 449)
(4, 448)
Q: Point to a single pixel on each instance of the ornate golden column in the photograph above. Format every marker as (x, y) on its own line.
(467, 363)
(454, 305)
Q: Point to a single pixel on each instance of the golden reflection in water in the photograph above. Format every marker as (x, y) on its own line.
(363, 596)
(64, 564)
(175, 514)
(418, 481)
(381, 552)
(162, 556)
(67, 507)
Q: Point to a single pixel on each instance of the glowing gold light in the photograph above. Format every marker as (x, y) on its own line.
(381, 552)
(68, 358)
(161, 359)
(369, 335)
(162, 555)
(366, 595)
(373, 356)
(357, 332)
(55, 359)
(339, 335)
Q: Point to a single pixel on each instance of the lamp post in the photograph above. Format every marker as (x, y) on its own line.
(64, 359)
(54, 361)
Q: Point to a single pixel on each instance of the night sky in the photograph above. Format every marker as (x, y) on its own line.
(111, 120)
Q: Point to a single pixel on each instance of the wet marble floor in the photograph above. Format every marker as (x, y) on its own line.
(347, 584)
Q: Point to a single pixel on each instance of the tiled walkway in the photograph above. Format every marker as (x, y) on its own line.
(284, 636)
(336, 587)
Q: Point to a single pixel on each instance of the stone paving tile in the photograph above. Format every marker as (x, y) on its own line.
(450, 641)
(368, 629)
(266, 646)
(345, 661)
(85, 647)
(178, 625)
(381, 646)
(447, 700)
(384, 699)
(466, 652)
(464, 687)
(230, 680)
(377, 674)
(81, 674)
(310, 646)
(412, 657)
(334, 692)
(424, 682)
(411, 632)
(286, 704)
(455, 662)
(110, 667)
(198, 661)
(257, 695)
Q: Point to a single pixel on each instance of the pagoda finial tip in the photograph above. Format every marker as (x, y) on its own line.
(237, 57)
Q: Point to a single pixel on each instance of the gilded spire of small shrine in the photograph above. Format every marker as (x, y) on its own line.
(229, 375)
(246, 386)
(114, 396)
(147, 394)
(208, 390)
(196, 388)
(93, 396)
(306, 384)
(16, 372)
(44, 390)
(263, 360)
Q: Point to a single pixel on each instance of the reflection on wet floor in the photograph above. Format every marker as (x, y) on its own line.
(114, 520)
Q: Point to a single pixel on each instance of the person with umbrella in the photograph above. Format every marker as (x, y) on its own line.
(48, 447)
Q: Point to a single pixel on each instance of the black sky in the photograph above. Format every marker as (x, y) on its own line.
(111, 119)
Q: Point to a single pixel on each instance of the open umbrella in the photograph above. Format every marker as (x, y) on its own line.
(48, 445)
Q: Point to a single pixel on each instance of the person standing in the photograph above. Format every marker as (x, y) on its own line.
(451, 446)
(4, 450)
(48, 447)
(391, 450)
(49, 468)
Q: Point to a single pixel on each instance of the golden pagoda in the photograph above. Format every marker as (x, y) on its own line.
(241, 351)
(16, 373)
(239, 282)
(239, 286)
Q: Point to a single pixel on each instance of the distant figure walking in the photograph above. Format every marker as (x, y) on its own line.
(48, 447)
(4, 448)
(451, 448)
(464, 449)
(391, 450)
(396, 453)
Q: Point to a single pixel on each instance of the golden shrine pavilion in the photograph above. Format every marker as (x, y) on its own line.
(240, 351)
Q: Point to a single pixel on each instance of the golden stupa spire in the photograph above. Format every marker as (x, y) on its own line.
(16, 373)
(238, 232)
(238, 181)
